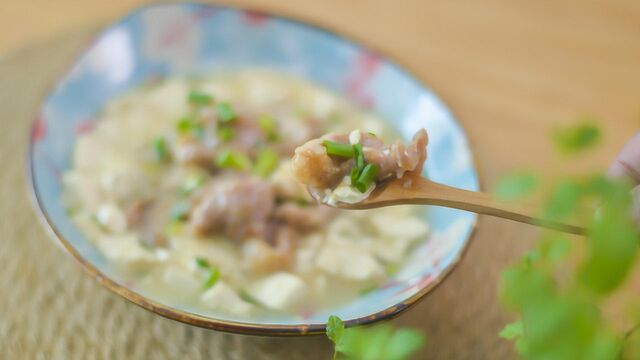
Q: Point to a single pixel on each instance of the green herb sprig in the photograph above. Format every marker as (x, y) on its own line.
(558, 298)
(380, 342)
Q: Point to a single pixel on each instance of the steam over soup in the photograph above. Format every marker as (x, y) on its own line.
(188, 188)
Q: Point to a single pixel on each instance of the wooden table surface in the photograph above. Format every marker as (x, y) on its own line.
(511, 70)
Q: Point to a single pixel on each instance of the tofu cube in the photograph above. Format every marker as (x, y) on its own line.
(280, 291)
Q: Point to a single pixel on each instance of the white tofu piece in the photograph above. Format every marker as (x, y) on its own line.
(182, 280)
(408, 228)
(306, 253)
(280, 291)
(112, 218)
(221, 297)
(125, 249)
(349, 261)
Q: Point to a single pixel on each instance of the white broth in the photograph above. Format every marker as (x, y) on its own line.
(186, 186)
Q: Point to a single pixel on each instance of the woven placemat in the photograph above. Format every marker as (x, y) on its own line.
(50, 309)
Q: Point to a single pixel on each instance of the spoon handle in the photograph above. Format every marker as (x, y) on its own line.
(426, 192)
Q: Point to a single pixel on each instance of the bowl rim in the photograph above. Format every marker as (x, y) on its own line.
(186, 317)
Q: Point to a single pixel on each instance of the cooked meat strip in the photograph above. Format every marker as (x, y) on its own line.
(194, 152)
(260, 257)
(237, 207)
(140, 219)
(313, 167)
(303, 217)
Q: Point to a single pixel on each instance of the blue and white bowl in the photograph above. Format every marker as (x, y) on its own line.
(187, 39)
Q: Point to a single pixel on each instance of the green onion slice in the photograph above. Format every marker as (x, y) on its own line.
(226, 133)
(355, 173)
(268, 126)
(179, 211)
(202, 263)
(359, 156)
(199, 98)
(225, 112)
(266, 162)
(160, 149)
(212, 278)
(192, 183)
(230, 160)
(188, 124)
(366, 177)
(339, 149)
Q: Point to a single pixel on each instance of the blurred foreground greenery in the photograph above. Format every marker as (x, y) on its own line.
(560, 288)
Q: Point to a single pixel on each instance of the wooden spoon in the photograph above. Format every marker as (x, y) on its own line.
(420, 191)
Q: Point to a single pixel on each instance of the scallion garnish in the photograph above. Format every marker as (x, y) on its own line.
(366, 177)
(225, 112)
(191, 184)
(213, 273)
(173, 228)
(212, 278)
(266, 162)
(338, 149)
(199, 98)
(226, 133)
(230, 160)
(179, 211)
(202, 263)
(160, 149)
(355, 173)
(359, 156)
(268, 126)
(188, 124)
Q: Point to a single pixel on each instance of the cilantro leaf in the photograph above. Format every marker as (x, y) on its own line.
(335, 329)
(573, 139)
(512, 331)
(403, 343)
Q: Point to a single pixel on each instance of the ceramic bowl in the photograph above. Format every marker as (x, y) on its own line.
(190, 39)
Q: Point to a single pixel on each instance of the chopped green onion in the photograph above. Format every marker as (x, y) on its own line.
(359, 156)
(244, 295)
(212, 279)
(266, 162)
(366, 177)
(213, 274)
(372, 133)
(192, 183)
(188, 124)
(160, 149)
(230, 160)
(339, 149)
(199, 98)
(226, 112)
(226, 133)
(268, 126)
(202, 263)
(355, 173)
(180, 211)
(391, 269)
(368, 290)
(173, 228)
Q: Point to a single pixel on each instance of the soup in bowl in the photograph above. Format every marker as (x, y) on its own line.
(164, 166)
